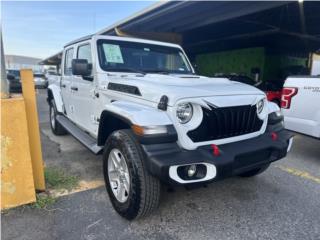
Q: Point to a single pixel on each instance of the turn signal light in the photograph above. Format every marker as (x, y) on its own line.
(148, 130)
(138, 130)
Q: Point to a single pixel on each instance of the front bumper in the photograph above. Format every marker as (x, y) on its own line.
(234, 159)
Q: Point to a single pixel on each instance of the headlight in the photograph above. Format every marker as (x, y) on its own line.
(260, 106)
(184, 112)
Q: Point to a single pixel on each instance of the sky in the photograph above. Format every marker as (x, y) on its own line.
(41, 29)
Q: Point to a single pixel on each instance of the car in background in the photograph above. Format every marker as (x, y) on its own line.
(53, 77)
(50, 73)
(300, 105)
(13, 77)
(271, 89)
(40, 80)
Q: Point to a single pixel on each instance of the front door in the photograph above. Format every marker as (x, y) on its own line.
(84, 99)
(66, 83)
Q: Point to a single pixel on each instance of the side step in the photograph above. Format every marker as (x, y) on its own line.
(79, 134)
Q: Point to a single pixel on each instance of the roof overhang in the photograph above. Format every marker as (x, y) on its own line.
(207, 26)
(52, 60)
(202, 26)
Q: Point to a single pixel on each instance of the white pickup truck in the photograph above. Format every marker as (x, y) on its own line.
(156, 121)
(300, 104)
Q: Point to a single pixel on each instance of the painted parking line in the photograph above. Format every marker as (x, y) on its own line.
(299, 173)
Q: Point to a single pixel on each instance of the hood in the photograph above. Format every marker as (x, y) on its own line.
(177, 87)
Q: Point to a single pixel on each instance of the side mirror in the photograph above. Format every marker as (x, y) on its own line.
(81, 67)
(10, 77)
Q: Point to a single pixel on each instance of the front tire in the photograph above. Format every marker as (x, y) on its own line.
(132, 190)
(255, 171)
(56, 127)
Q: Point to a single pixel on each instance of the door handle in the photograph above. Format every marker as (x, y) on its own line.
(63, 85)
(74, 88)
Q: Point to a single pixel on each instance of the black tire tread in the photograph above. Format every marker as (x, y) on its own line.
(148, 194)
(59, 129)
(150, 186)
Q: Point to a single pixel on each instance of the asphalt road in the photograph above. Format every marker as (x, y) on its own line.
(282, 203)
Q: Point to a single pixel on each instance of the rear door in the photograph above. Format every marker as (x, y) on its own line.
(84, 98)
(66, 82)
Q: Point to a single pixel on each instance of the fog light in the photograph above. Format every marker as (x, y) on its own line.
(192, 170)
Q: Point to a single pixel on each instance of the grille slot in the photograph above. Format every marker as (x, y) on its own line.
(226, 122)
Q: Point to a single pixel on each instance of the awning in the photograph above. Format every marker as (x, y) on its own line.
(52, 60)
(203, 26)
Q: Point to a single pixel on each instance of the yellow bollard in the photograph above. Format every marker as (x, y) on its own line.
(17, 185)
(29, 96)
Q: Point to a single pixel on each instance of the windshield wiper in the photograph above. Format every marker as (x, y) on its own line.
(126, 70)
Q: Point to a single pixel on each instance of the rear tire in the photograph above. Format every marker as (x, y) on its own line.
(144, 190)
(56, 127)
(255, 171)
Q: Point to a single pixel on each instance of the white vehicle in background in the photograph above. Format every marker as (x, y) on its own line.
(156, 121)
(53, 77)
(40, 80)
(300, 104)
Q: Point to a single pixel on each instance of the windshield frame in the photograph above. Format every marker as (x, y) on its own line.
(180, 51)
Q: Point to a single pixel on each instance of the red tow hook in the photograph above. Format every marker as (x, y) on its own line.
(274, 136)
(215, 150)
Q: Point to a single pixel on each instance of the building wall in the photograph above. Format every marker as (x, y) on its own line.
(242, 61)
(275, 62)
(235, 61)
(20, 62)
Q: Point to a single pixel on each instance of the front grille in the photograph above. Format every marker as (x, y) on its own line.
(225, 122)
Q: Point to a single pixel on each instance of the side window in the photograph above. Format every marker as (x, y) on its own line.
(84, 52)
(68, 62)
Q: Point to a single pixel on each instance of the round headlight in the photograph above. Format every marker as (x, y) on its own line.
(184, 112)
(260, 106)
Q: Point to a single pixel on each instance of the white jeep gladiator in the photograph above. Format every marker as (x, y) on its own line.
(156, 121)
(300, 104)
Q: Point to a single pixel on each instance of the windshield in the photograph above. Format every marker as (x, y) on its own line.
(122, 56)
